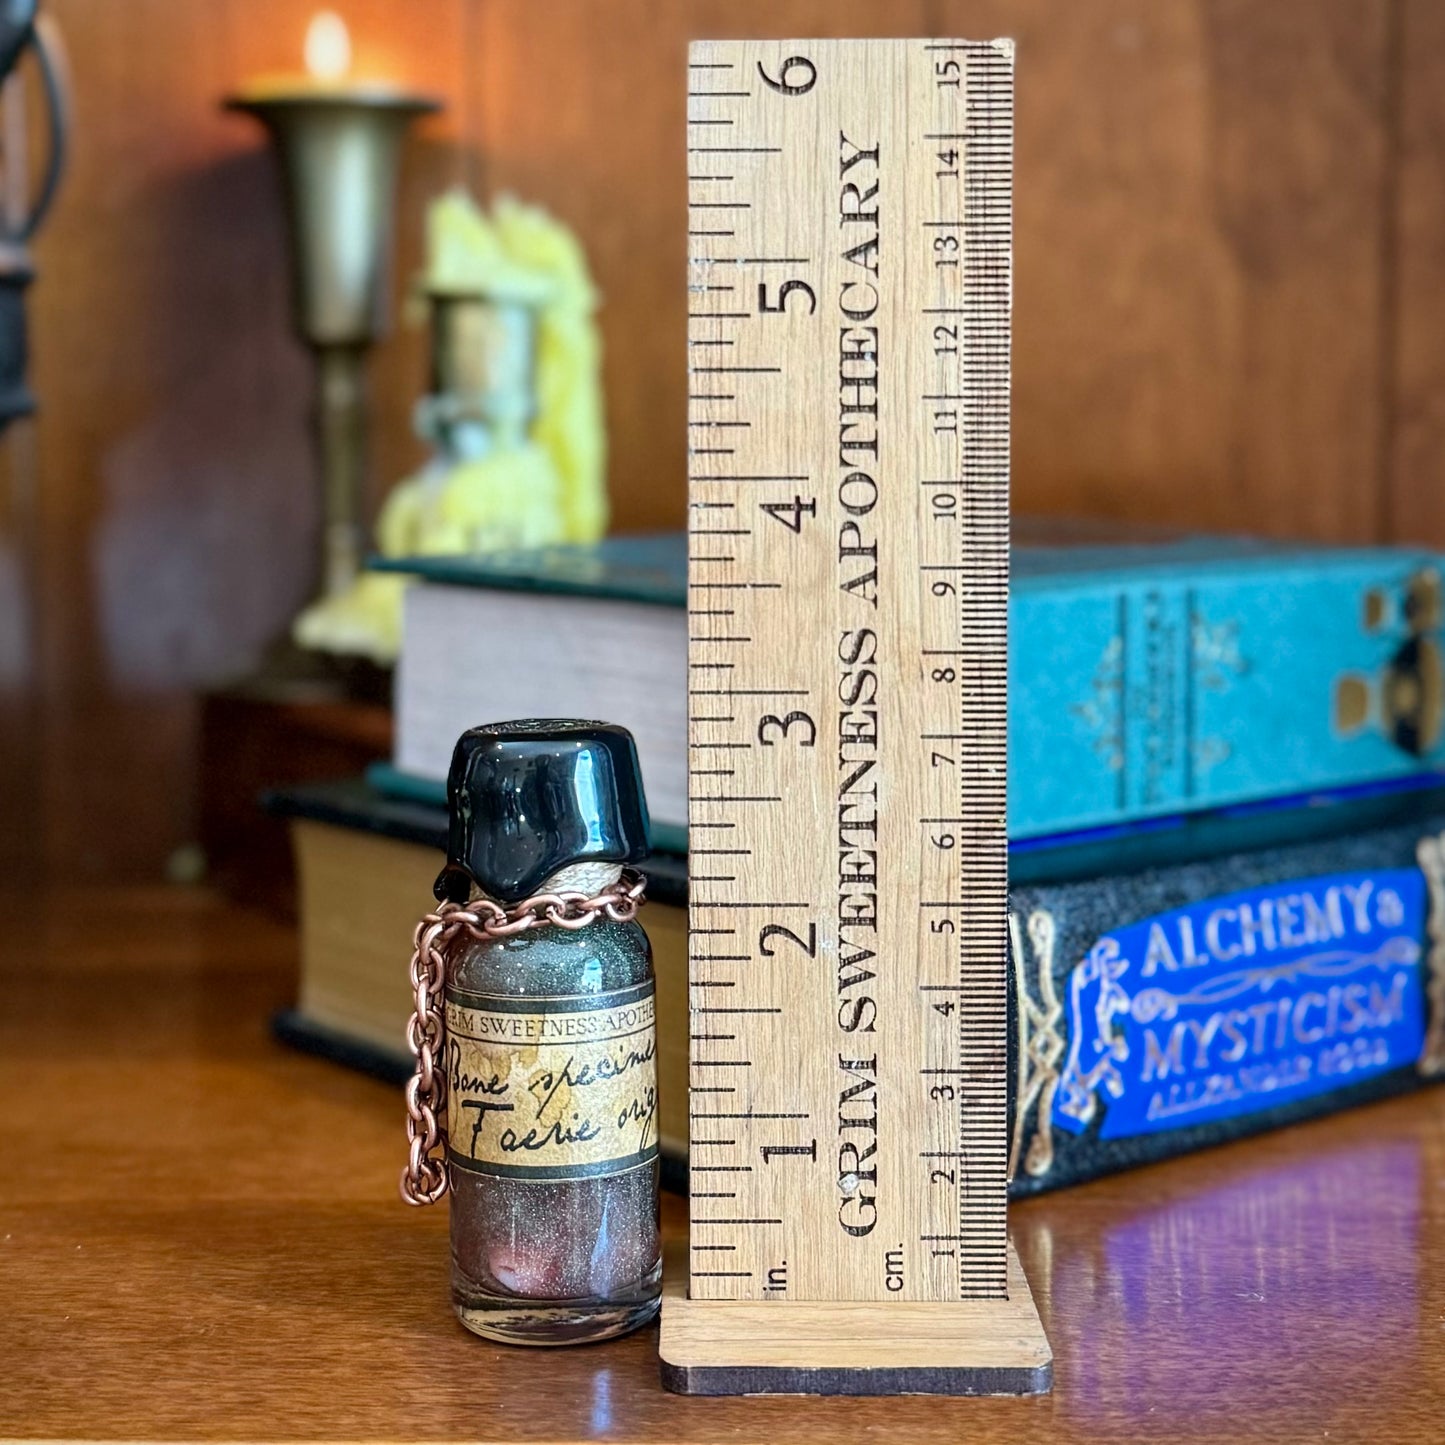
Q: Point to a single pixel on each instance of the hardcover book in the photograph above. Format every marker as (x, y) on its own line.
(1149, 679)
(1184, 1006)
(1155, 1010)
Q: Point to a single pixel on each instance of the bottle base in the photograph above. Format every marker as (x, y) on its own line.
(553, 1322)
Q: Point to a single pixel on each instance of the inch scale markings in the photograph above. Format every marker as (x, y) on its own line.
(859, 233)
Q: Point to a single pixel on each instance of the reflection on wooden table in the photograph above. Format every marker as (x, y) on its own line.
(200, 1238)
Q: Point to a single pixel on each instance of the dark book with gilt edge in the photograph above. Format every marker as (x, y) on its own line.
(1292, 966)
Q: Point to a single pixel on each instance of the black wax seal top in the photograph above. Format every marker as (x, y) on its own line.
(530, 798)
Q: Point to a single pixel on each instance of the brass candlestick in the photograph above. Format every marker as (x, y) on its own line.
(339, 147)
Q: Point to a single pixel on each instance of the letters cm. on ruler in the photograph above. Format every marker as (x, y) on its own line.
(849, 300)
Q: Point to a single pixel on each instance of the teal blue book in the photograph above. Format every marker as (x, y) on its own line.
(1148, 680)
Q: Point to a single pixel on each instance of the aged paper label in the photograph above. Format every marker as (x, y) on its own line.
(555, 1088)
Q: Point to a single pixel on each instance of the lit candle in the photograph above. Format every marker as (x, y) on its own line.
(339, 140)
(328, 47)
(327, 53)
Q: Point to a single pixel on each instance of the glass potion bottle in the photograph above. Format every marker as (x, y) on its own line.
(552, 1153)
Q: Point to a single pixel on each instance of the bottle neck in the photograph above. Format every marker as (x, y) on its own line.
(588, 878)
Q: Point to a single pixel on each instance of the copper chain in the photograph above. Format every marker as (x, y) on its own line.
(424, 1176)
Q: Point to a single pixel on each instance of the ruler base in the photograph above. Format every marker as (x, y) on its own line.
(848, 1347)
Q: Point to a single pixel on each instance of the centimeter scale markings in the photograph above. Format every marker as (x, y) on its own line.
(849, 290)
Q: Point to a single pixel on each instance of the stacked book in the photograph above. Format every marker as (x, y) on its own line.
(1227, 822)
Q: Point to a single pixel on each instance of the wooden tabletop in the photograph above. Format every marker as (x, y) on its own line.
(200, 1239)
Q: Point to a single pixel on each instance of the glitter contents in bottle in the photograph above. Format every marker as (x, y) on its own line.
(555, 1260)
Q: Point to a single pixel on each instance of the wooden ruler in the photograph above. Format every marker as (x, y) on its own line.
(849, 285)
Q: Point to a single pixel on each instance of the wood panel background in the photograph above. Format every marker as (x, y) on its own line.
(1230, 294)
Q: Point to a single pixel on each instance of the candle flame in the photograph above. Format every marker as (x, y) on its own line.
(328, 46)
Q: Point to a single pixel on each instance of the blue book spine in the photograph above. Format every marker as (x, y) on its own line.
(1163, 1011)
(1153, 1012)
(1140, 691)
(1149, 680)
